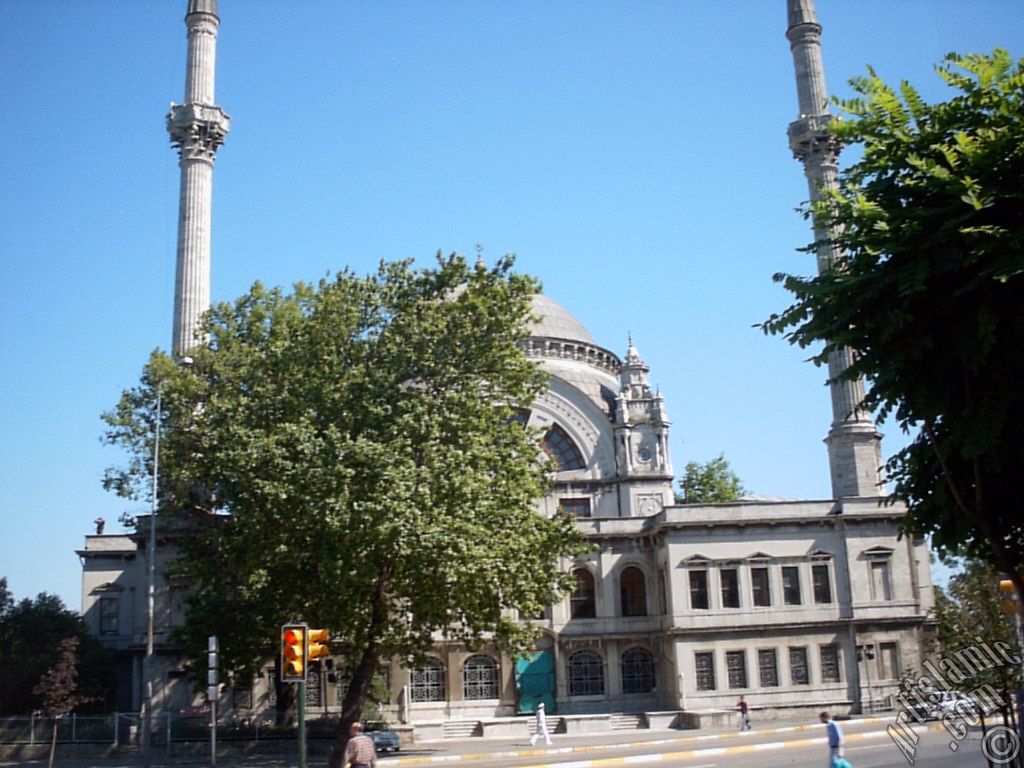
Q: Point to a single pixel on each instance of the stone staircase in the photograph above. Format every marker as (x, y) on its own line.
(627, 722)
(461, 729)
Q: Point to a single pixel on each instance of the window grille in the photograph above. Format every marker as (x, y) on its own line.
(586, 674)
(562, 449)
(736, 665)
(637, 671)
(426, 683)
(798, 671)
(705, 667)
(768, 668)
(830, 664)
(480, 678)
(313, 697)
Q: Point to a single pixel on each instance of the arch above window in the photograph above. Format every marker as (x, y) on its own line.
(586, 674)
(633, 592)
(426, 682)
(582, 602)
(480, 677)
(561, 447)
(637, 671)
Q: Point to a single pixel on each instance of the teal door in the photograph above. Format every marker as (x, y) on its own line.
(535, 681)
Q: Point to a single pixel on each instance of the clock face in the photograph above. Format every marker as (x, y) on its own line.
(644, 454)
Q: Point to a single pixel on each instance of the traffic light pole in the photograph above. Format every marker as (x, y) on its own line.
(302, 723)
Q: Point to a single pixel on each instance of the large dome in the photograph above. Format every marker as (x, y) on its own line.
(556, 322)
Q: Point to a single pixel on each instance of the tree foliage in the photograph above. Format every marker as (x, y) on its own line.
(930, 294)
(31, 633)
(58, 688)
(348, 455)
(709, 483)
(970, 613)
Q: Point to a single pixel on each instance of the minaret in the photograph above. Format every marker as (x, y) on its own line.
(197, 128)
(854, 444)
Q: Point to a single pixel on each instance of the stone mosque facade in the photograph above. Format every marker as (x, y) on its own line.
(677, 611)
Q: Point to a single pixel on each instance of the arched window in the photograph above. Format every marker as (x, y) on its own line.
(633, 592)
(586, 674)
(426, 683)
(581, 601)
(562, 449)
(637, 671)
(480, 678)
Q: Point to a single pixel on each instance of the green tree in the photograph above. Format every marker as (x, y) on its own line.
(30, 635)
(58, 688)
(348, 454)
(930, 295)
(709, 483)
(970, 613)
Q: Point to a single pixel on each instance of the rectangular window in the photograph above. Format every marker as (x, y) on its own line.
(761, 587)
(830, 664)
(730, 587)
(662, 591)
(798, 671)
(791, 585)
(822, 584)
(880, 589)
(699, 590)
(736, 664)
(575, 507)
(705, 667)
(768, 668)
(888, 663)
(108, 615)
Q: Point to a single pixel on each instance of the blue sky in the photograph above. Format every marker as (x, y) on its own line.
(632, 154)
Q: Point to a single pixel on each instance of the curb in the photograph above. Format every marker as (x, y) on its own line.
(422, 760)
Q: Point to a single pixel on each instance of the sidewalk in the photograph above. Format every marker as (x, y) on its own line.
(466, 750)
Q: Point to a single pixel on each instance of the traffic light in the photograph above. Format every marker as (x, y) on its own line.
(316, 644)
(1008, 596)
(293, 653)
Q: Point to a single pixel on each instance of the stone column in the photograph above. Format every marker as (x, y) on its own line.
(854, 444)
(197, 129)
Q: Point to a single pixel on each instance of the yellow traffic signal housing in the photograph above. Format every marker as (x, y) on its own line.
(293, 653)
(1008, 595)
(316, 644)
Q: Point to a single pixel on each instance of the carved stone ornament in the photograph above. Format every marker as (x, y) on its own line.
(197, 130)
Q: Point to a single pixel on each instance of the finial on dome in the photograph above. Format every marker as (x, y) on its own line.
(480, 266)
(632, 355)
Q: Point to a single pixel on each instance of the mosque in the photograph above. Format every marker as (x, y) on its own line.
(680, 609)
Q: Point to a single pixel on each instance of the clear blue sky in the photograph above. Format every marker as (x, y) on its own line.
(633, 155)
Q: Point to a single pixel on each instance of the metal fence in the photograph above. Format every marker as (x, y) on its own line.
(123, 729)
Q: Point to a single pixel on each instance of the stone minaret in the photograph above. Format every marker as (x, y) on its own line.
(197, 128)
(854, 444)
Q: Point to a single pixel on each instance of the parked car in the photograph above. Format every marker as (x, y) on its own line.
(954, 701)
(384, 739)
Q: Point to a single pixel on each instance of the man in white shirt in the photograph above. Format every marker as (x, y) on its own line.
(542, 727)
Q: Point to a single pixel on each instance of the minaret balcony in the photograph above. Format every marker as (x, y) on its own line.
(193, 124)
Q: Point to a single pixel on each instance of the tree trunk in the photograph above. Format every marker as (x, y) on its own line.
(284, 709)
(362, 676)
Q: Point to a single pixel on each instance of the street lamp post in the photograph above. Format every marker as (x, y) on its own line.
(147, 661)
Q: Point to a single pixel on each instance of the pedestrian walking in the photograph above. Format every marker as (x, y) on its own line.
(542, 727)
(360, 751)
(835, 742)
(744, 711)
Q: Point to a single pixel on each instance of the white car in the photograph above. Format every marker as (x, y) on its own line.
(956, 702)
